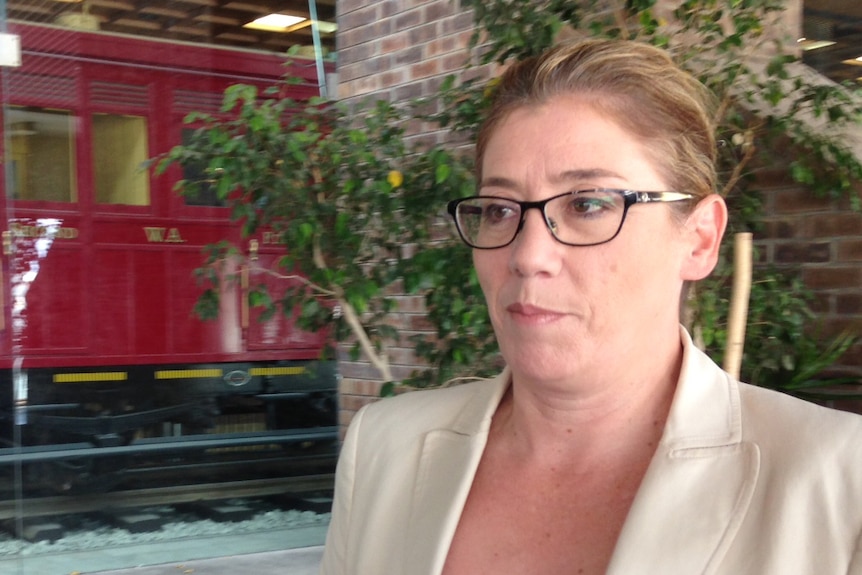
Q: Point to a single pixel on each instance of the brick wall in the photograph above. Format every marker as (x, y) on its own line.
(397, 50)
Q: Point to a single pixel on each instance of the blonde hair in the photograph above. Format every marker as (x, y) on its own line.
(636, 85)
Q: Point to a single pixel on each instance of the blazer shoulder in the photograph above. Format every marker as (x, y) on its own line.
(434, 405)
(777, 417)
(466, 408)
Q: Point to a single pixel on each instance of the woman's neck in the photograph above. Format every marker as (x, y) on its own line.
(616, 415)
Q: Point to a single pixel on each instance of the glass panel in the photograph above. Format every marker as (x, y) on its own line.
(119, 151)
(206, 194)
(114, 394)
(41, 159)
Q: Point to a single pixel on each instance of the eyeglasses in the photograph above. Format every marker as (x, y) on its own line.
(578, 218)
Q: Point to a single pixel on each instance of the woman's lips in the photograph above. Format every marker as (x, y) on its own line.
(532, 313)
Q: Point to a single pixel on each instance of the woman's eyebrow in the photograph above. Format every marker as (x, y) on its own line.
(498, 182)
(587, 174)
(565, 176)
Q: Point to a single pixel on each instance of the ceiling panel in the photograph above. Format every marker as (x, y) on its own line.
(208, 21)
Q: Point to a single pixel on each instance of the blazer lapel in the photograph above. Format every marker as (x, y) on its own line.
(700, 482)
(687, 511)
(446, 470)
(447, 465)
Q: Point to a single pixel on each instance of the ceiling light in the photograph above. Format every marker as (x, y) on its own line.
(853, 62)
(274, 22)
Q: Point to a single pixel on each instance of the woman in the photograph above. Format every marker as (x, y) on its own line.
(609, 444)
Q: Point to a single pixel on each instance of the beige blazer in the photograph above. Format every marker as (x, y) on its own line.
(745, 481)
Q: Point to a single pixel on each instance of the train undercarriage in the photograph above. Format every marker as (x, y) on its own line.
(87, 430)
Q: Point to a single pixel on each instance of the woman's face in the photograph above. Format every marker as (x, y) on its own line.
(561, 311)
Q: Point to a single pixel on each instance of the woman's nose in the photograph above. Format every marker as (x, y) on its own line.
(535, 251)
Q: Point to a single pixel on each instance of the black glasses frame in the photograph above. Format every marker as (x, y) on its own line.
(630, 198)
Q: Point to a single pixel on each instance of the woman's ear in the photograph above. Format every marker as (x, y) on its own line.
(704, 230)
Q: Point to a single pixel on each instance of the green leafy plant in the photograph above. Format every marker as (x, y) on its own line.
(341, 191)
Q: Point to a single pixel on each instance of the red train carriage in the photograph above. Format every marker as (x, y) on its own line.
(107, 376)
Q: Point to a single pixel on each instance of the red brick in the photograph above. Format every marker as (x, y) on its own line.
(454, 62)
(408, 19)
(425, 69)
(402, 357)
(347, 39)
(359, 17)
(783, 229)
(423, 34)
(410, 304)
(353, 402)
(408, 92)
(357, 53)
(411, 55)
(798, 200)
(393, 43)
(392, 78)
(848, 303)
(838, 325)
(353, 386)
(823, 303)
(390, 8)
(832, 277)
(835, 224)
(853, 357)
(436, 11)
(374, 65)
(797, 252)
(773, 177)
(850, 250)
(345, 6)
(359, 370)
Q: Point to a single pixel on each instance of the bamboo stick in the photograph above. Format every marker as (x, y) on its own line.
(738, 314)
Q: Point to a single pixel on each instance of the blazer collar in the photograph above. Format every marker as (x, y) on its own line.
(700, 481)
(448, 462)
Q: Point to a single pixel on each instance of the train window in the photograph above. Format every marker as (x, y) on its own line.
(206, 194)
(42, 155)
(120, 149)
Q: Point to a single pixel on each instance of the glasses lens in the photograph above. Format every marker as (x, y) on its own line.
(488, 222)
(586, 217)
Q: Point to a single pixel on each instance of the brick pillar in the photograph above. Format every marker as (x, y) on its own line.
(397, 50)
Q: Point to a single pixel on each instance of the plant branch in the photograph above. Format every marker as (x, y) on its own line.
(749, 150)
(378, 360)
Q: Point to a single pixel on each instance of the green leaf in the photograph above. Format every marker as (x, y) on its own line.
(442, 173)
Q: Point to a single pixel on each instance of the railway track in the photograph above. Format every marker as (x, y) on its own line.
(31, 508)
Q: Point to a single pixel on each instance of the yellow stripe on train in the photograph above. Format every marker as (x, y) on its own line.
(264, 371)
(89, 377)
(188, 373)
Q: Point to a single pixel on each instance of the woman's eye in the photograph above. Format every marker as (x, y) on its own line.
(584, 206)
(495, 213)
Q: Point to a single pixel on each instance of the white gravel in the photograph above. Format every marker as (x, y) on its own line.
(98, 536)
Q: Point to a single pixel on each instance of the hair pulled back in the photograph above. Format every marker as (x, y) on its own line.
(635, 85)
